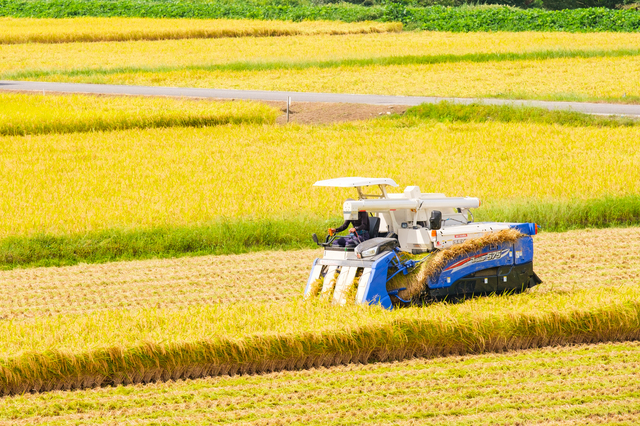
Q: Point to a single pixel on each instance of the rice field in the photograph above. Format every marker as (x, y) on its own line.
(70, 57)
(74, 166)
(587, 384)
(129, 346)
(87, 29)
(574, 79)
(556, 66)
(40, 114)
(223, 170)
(568, 261)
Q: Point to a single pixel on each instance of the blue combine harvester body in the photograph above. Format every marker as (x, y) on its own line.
(371, 266)
(507, 267)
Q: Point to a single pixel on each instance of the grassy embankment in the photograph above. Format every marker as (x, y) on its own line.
(550, 386)
(219, 193)
(120, 346)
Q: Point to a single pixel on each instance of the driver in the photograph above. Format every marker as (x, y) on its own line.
(358, 233)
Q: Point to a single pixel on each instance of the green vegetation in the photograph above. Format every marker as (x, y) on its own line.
(231, 236)
(118, 346)
(439, 18)
(480, 113)
(220, 237)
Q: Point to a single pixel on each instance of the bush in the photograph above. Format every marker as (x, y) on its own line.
(439, 17)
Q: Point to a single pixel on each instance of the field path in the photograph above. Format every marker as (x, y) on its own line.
(565, 261)
(259, 95)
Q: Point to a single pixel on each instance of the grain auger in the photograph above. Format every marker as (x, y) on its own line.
(421, 247)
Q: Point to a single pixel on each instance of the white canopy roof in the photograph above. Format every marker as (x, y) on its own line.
(352, 182)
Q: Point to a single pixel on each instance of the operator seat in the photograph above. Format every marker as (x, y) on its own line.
(374, 226)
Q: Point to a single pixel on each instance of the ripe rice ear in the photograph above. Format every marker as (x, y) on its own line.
(433, 266)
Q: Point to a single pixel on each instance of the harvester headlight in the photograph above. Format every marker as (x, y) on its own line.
(370, 252)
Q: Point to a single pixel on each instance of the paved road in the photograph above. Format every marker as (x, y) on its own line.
(589, 108)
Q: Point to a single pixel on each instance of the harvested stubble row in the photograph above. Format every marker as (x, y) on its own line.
(40, 114)
(31, 59)
(575, 385)
(27, 30)
(167, 283)
(562, 260)
(79, 351)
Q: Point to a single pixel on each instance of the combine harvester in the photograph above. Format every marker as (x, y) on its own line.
(411, 228)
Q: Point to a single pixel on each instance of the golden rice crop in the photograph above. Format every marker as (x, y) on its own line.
(117, 346)
(556, 79)
(565, 261)
(70, 56)
(90, 29)
(553, 386)
(34, 114)
(176, 176)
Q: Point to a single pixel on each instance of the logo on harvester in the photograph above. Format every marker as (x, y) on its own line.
(478, 258)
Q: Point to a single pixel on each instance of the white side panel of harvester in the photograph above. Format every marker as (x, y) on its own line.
(362, 285)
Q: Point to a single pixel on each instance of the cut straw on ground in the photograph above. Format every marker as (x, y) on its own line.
(565, 261)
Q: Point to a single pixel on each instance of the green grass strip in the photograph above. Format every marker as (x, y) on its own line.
(337, 63)
(123, 347)
(231, 236)
(480, 113)
(225, 236)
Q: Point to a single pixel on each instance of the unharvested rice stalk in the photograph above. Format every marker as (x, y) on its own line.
(430, 268)
(88, 29)
(69, 352)
(22, 114)
(564, 385)
(221, 170)
(64, 57)
(327, 295)
(316, 287)
(554, 79)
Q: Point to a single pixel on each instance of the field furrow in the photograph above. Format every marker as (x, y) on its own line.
(566, 261)
(593, 383)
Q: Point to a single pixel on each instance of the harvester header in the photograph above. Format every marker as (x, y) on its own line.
(412, 223)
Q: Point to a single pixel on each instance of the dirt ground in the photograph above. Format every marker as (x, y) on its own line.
(326, 113)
